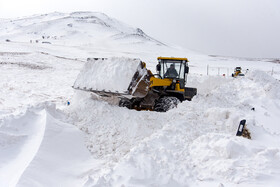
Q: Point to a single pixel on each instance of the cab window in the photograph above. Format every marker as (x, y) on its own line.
(172, 69)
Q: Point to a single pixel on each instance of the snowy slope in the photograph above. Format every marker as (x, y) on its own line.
(83, 27)
(45, 142)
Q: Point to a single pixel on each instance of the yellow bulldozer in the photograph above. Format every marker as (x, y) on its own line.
(237, 72)
(146, 91)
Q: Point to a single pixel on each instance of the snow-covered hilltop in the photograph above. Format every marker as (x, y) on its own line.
(52, 135)
(79, 27)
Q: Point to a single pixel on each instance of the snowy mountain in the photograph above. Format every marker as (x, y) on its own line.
(52, 135)
(79, 27)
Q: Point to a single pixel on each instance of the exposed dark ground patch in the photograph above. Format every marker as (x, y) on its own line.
(13, 53)
(26, 65)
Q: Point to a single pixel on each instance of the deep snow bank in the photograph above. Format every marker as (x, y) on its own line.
(41, 148)
(195, 143)
(20, 139)
(111, 130)
(267, 83)
(112, 74)
(233, 159)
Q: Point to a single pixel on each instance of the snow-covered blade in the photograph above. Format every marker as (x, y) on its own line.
(113, 76)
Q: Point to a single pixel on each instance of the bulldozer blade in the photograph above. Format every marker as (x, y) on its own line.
(121, 77)
(103, 93)
(139, 85)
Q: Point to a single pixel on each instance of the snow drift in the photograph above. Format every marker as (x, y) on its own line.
(35, 149)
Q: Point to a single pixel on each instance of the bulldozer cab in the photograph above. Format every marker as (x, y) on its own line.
(237, 69)
(172, 68)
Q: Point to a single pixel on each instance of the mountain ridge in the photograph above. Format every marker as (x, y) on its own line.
(63, 26)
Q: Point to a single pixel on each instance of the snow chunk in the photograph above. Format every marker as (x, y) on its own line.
(269, 84)
(112, 74)
(233, 158)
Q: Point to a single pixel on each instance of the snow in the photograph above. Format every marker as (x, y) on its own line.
(112, 74)
(45, 142)
(35, 149)
(233, 159)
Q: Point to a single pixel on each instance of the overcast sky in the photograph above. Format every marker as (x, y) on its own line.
(248, 28)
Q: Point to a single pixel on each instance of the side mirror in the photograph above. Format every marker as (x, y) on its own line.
(158, 67)
(187, 69)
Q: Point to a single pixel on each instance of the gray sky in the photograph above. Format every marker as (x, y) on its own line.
(248, 28)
